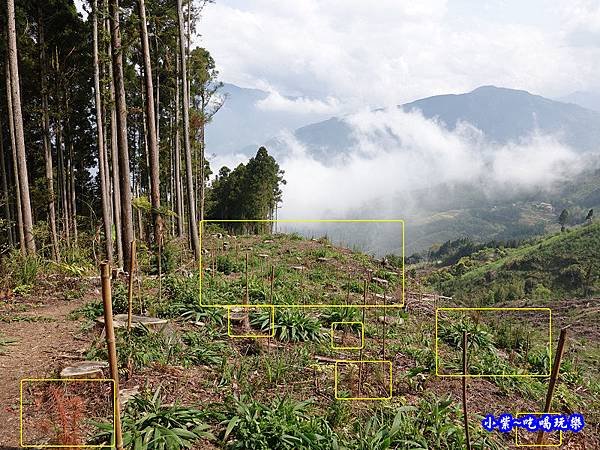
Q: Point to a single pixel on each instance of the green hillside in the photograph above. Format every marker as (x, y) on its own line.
(556, 266)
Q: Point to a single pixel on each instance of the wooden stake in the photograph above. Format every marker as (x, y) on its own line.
(384, 322)
(247, 300)
(112, 349)
(553, 378)
(348, 291)
(464, 390)
(361, 350)
(272, 280)
(130, 293)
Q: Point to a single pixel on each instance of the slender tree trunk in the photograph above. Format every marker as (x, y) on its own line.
(187, 43)
(202, 176)
(62, 180)
(11, 127)
(137, 177)
(102, 157)
(121, 113)
(19, 133)
(151, 123)
(116, 191)
(178, 185)
(186, 137)
(46, 141)
(71, 182)
(114, 151)
(5, 195)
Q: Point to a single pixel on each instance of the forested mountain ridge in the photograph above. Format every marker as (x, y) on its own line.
(563, 264)
(502, 115)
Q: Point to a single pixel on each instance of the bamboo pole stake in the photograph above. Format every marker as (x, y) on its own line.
(553, 378)
(130, 292)
(361, 350)
(247, 299)
(348, 291)
(464, 390)
(272, 281)
(384, 322)
(112, 349)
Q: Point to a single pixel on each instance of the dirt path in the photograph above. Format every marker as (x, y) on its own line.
(43, 346)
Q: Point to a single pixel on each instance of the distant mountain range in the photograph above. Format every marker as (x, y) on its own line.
(242, 124)
(442, 211)
(503, 115)
(587, 99)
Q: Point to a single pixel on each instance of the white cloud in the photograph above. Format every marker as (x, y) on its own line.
(299, 105)
(400, 152)
(392, 51)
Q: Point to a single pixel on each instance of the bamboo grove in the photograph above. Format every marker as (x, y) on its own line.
(102, 130)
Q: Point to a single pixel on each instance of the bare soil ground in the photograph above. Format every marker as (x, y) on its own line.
(46, 340)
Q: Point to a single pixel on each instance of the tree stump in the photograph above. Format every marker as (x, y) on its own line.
(84, 370)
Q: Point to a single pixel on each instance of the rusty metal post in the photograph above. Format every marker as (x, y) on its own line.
(553, 378)
(464, 390)
(112, 349)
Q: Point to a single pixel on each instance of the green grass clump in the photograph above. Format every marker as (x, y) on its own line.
(291, 325)
(4, 342)
(147, 424)
(282, 424)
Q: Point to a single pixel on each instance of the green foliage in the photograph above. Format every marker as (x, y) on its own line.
(342, 314)
(291, 325)
(283, 424)
(147, 424)
(227, 265)
(171, 256)
(90, 311)
(23, 269)
(433, 423)
(250, 191)
(451, 332)
(4, 342)
(203, 351)
(73, 269)
(180, 289)
(560, 265)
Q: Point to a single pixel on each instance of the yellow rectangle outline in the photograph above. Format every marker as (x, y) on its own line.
(362, 336)
(335, 379)
(111, 445)
(502, 375)
(253, 336)
(400, 221)
(560, 433)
